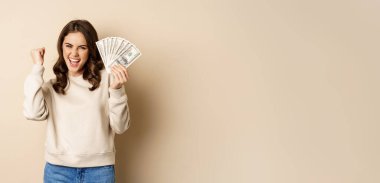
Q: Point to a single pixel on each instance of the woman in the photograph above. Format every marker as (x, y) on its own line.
(83, 105)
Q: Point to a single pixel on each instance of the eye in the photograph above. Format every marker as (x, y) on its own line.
(83, 48)
(68, 46)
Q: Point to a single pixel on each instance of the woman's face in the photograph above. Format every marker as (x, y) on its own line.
(75, 52)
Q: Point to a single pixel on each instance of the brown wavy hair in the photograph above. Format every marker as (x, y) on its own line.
(93, 66)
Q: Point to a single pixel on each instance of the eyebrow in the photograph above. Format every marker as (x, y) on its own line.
(78, 46)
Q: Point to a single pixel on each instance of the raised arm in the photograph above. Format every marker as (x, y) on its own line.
(118, 101)
(34, 101)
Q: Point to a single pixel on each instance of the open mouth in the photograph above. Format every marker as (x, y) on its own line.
(74, 62)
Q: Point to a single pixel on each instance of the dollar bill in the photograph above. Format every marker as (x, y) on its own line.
(116, 50)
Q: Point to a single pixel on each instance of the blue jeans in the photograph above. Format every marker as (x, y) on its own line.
(63, 174)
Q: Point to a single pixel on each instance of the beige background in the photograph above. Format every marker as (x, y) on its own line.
(226, 90)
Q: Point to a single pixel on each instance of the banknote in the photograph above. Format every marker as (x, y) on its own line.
(116, 50)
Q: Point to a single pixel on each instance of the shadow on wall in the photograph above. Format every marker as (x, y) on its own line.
(129, 145)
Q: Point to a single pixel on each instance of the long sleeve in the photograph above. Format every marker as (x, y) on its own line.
(34, 102)
(118, 110)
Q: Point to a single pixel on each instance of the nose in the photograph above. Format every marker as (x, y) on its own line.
(74, 52)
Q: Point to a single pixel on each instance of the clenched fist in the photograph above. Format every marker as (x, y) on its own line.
(38, 55)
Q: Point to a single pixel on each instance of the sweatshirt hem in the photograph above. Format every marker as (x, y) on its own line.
(80, 161)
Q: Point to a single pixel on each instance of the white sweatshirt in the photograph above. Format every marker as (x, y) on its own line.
(81, 125)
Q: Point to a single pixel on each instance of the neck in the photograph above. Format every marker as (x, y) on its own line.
(75, 74)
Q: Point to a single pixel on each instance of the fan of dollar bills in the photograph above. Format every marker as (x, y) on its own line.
(116, 50)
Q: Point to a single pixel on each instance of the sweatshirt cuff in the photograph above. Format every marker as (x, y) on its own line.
(38, 69)
(117, 93)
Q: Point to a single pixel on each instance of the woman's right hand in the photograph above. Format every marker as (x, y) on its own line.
(38, 55)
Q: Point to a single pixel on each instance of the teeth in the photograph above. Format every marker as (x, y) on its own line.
(73, 60)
